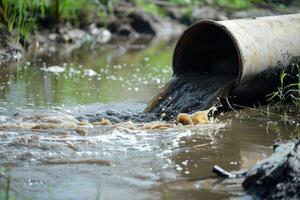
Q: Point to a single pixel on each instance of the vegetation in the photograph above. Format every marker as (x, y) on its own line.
(289, 89)
(284, 102)
(22, 17)
(6, 194)
(25, 16)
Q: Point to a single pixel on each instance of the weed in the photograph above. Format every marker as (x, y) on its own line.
(151, 8)
(22, 16)
(234, 4)
(288, 90)
(7, 195)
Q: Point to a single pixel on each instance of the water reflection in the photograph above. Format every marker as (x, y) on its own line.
(115, 72)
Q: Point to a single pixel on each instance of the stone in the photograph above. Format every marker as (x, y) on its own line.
(208, 12)
(278, 176)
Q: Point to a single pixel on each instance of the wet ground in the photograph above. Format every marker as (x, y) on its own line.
(49, 154)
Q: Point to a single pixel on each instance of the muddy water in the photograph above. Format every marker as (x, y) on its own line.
(189, 93)
(49, 154)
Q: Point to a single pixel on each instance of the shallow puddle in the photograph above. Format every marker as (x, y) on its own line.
(49, 154)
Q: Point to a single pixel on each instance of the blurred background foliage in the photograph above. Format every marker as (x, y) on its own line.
(25, 16)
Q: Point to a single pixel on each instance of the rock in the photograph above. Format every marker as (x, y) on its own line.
(103, 35)
(143, 22)
(53, 36)
(147, 24)
(76, 34)
(252, 13)
(208, 12)
(125, 30)
(278, 176)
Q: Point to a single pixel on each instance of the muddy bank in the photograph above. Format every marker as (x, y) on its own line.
(128, 20)
(278, 176)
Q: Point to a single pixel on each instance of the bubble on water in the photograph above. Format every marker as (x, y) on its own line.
(157, 80)
(3, 118)
(113, 78)
(178, 168)
(73, 71)
(184, 162)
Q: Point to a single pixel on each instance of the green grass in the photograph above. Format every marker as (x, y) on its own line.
(288, 90)
(21, 17)
(234, 4)
(5, 190)
(148, 7)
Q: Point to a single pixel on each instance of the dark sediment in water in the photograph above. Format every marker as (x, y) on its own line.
(187, 93)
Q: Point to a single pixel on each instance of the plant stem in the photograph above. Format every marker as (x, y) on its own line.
(57, 13)
(7, 188)
(3, 16)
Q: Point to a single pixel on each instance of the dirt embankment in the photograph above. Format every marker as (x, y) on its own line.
(126, 21)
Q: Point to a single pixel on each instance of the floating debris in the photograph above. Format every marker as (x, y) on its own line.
(105, 122)
(200, 117)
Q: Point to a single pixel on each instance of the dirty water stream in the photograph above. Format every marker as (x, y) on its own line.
(49, 154)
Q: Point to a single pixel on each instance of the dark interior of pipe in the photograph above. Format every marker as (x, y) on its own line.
(208, 49)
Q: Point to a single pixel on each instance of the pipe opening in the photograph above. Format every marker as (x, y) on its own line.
(206, 48)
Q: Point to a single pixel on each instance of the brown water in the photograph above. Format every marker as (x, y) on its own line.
(49, 154)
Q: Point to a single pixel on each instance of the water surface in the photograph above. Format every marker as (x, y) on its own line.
(49, 154)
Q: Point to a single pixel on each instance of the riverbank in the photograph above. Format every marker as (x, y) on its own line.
(127, 20)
